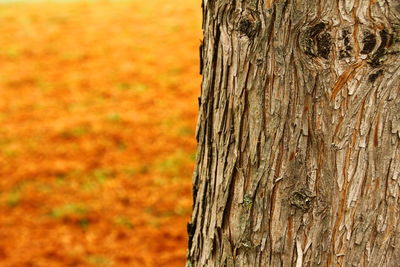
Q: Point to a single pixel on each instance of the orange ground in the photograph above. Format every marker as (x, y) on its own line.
(98, 104)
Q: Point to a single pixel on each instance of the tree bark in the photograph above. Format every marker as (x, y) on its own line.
(298, 135)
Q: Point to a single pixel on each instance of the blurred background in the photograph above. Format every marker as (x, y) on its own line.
(98, 106)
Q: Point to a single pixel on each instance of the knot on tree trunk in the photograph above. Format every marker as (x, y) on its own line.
(317, 41)
(301, 199)
(247, 23)
(375, 45)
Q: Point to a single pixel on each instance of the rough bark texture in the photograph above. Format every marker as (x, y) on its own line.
(299, 134)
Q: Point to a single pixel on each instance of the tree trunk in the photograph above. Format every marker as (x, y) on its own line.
(298, 158)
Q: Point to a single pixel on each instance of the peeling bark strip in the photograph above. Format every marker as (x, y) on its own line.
(298, 161)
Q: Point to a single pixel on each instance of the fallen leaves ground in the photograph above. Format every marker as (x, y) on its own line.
(98, 104)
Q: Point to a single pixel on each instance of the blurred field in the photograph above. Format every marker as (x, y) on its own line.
(98, 104)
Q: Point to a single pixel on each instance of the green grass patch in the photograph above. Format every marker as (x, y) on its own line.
(96, 178)
(132, 171)
(113, 117)
(12, 52)
(71, 209)
(45, 85)
(9, 153)
(120, 145)
(186, 131)
(99, 260)
(14, 198)
(123, 221)
(75, 132)
(84, 223)
(133, 87)
(44, 188)
(101, 175)
(5, 141)
(173, 164)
